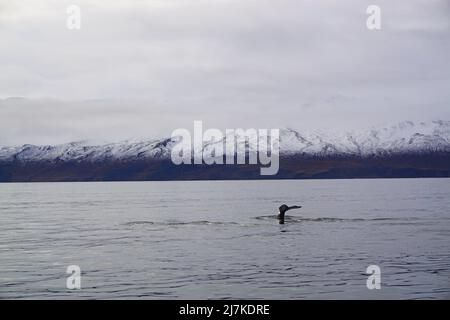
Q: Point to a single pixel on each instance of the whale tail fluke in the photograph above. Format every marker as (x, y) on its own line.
(283, 208)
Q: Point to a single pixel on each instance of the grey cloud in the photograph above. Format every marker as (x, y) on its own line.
(155, 66)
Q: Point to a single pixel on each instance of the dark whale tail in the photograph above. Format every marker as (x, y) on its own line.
(283, 208)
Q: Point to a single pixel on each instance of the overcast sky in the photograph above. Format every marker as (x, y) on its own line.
(145, 68)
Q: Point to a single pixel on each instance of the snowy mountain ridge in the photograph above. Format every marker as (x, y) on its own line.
(405, 137)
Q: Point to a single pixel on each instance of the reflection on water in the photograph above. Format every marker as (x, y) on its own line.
(218, 239)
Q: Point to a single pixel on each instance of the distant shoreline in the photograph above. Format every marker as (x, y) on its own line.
(296, 167)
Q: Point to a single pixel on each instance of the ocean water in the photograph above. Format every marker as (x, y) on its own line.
(221, 239)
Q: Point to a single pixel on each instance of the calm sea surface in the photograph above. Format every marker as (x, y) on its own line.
(195, 240)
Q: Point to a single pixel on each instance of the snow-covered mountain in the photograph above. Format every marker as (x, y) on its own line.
(405, 137)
